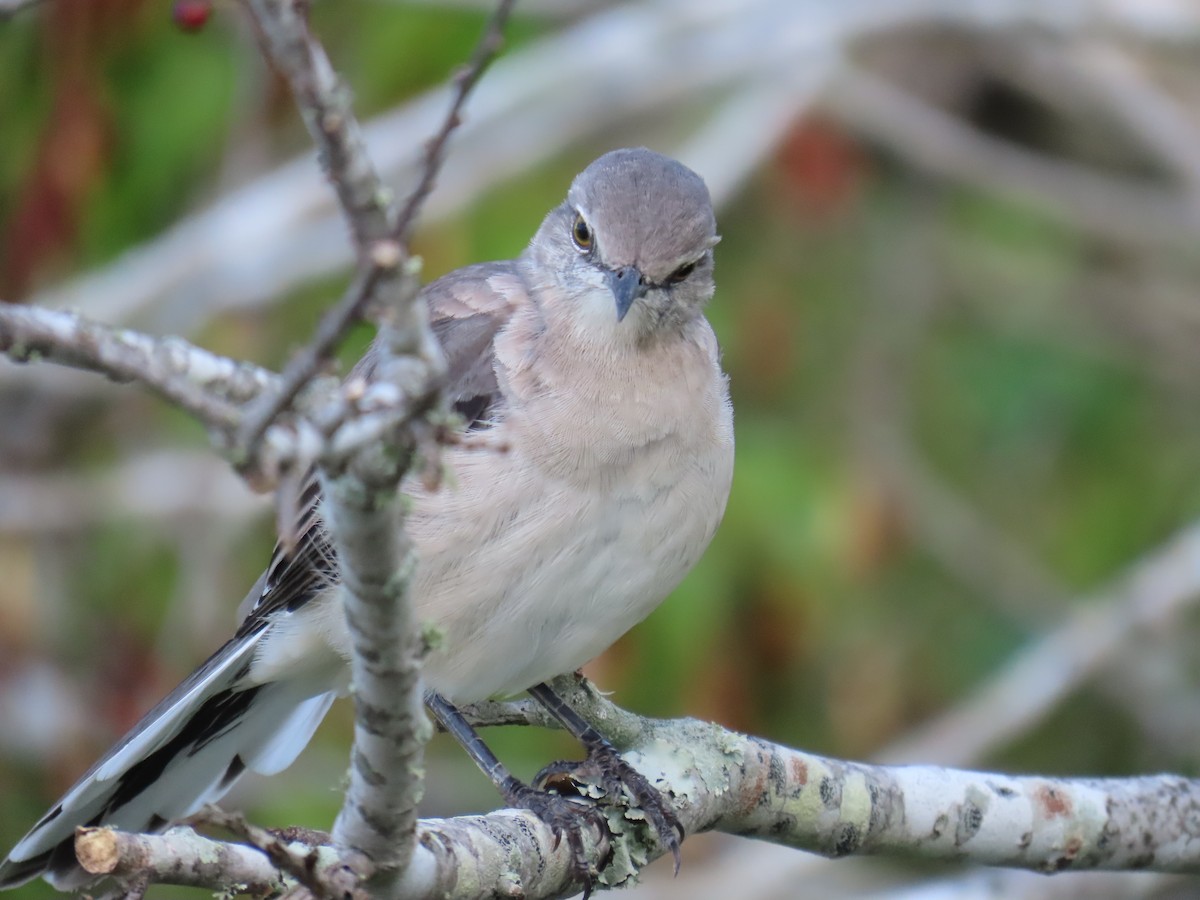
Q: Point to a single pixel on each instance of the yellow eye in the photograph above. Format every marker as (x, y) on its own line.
(581, 234)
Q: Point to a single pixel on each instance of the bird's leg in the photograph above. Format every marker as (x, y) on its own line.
(564, 815)
(615, 773)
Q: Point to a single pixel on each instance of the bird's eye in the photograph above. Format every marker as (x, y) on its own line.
(581, 234)
(681, 273)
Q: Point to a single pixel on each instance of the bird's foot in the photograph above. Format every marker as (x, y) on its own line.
(567, 817)
(606, 768)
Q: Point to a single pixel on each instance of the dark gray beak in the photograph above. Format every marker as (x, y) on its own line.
(626, 284)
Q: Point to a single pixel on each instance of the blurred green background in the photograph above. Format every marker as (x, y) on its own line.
(957, 415)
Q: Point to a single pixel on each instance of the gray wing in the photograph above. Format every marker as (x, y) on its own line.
(467, 307)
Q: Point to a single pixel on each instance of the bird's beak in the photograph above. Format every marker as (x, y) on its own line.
(626, 284)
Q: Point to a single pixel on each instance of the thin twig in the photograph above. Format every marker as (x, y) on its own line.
(324, 104)
(435, 150)
(365, 201)
(309, 360)
(345, 158)
(299, 861)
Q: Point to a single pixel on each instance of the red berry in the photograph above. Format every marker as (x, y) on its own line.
(191, 15)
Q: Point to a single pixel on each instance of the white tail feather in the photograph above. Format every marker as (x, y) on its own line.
(161, 724)
(292, 737)
(186, 752)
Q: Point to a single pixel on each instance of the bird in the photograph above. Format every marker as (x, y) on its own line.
(590, 360)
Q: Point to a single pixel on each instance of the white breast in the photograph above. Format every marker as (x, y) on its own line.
(554, 575)
(535, 561)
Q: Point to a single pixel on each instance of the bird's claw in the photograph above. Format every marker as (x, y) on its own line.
(607, 768)
(567, 817)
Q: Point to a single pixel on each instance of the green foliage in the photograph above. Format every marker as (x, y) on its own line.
(168, 103)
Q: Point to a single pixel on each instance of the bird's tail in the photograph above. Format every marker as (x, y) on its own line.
(187, 751)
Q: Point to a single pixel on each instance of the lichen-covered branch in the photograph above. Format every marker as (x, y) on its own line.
(1044, 824)
(378, 815)
(208, 386)
(507, 712)
(178, 857)
(724, 781)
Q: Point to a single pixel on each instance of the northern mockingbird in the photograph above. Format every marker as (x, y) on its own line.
(589, 357)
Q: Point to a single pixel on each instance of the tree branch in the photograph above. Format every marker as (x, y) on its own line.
(1124, 209)
(729, 782)
(324, 104)
(378, 815)
(1150, 595)
(305, 364)
(206, 385)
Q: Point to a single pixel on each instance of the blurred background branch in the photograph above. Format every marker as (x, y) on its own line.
(957, 295)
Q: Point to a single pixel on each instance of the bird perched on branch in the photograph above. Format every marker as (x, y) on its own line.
(590, 359)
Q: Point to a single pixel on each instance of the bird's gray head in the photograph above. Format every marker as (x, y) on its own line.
(637, 231)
